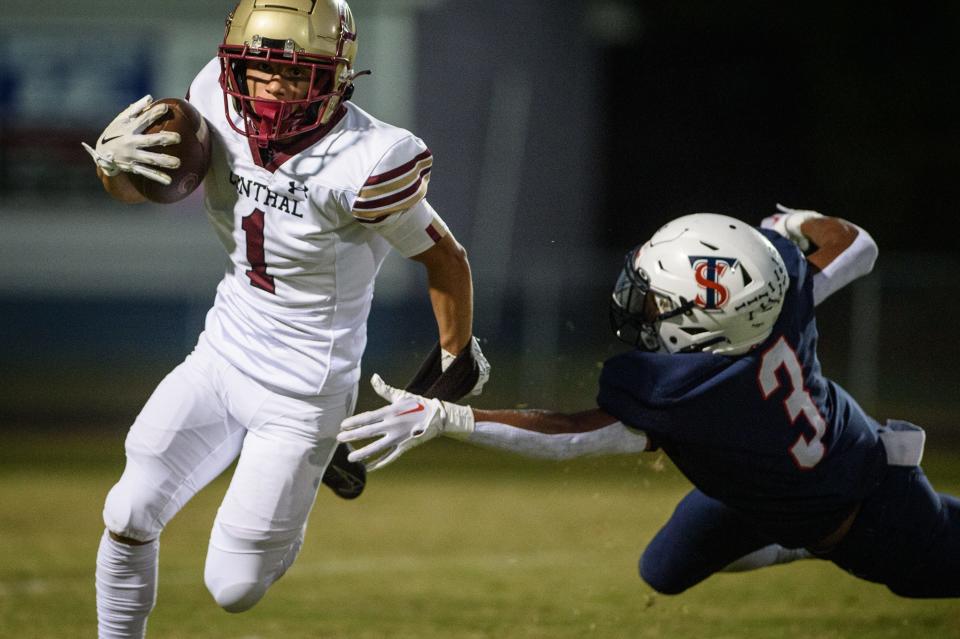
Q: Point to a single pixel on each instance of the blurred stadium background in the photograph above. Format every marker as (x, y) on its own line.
(563, 134)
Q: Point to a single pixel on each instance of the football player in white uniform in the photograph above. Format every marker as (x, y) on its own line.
(307, 193)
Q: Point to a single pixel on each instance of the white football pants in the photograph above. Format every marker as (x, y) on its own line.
(199, 419)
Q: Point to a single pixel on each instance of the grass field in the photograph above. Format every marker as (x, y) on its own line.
(450, 542)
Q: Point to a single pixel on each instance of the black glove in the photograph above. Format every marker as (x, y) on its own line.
(465, 375)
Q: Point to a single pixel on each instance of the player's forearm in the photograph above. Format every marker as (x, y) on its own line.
(451, 293)
(545, 421)
(832, 236)
(410, 420)
(549, 435)
(844, 253)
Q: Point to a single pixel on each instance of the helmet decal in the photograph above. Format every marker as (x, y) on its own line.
(708, 270)
(703, 283)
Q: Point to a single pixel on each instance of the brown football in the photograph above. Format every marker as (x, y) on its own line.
(193, 151)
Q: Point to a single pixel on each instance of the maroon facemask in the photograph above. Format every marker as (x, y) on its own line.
(267, 120)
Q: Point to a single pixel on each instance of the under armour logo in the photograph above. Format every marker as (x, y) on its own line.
(294, 188)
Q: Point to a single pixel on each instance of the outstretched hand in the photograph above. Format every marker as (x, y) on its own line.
(407, 421)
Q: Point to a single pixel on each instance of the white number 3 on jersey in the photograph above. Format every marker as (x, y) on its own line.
(807, 452)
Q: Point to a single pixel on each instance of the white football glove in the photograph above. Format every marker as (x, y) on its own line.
(409, 420)
(120, 147)
(447, 358)
(788, 222)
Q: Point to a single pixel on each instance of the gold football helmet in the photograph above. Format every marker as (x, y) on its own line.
(318, 35)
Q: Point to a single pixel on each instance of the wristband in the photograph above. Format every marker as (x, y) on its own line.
(789, 225)
(458, 421)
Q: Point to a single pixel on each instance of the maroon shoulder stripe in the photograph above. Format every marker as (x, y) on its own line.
(396, 197)
(400, 170)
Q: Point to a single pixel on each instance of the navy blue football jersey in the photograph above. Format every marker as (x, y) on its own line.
(766, 433)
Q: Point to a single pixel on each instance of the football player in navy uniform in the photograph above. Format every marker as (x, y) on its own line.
(725, 380)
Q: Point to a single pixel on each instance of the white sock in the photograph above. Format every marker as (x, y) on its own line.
(126, 587)
(768, 556)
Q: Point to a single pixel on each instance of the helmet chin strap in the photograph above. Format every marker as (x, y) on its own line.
(699, 346)
(268, 113)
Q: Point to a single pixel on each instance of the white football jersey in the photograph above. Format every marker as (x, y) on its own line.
(301, 232)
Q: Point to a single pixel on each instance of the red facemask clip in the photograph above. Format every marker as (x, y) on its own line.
(268, 115)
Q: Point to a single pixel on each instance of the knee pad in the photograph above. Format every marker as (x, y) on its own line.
(657, 575)
(239, 571)
(235, 597)
(131, 513)
(236, 581)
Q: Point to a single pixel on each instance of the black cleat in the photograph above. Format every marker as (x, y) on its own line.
(345, 478)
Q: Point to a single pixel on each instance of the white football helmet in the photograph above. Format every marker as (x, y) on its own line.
(703, 282)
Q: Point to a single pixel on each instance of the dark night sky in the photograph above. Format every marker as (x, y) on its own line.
(732, 107)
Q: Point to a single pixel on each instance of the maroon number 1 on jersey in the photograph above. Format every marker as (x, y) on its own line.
(253, 226)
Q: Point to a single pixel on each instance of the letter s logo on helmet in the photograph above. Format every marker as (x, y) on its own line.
(318, 36)
(708, 271)
(703, 282)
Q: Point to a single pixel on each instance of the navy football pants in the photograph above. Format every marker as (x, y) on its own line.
(702, 537)
(906, 536)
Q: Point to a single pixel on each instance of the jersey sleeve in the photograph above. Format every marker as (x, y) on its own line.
(623, 382)
(204, 89)
(413, 231)
(397, 182)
